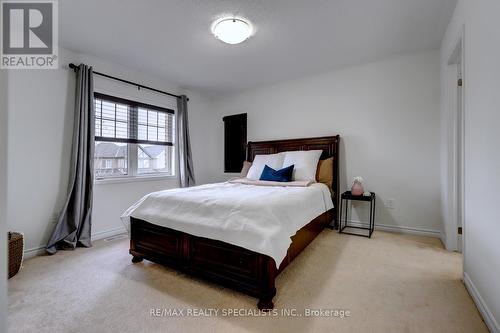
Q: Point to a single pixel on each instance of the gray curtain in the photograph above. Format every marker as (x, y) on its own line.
(73, 226)
(186, 169)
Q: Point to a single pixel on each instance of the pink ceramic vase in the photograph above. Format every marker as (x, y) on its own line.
(357, 188)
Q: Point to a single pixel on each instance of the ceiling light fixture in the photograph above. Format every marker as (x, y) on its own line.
(232, 30)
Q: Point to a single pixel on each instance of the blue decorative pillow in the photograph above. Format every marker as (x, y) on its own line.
(282, 175)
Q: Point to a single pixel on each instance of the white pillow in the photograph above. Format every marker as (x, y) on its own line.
(275, 161)
(305, 163)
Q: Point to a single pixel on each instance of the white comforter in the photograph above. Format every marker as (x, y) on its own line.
(258, 218)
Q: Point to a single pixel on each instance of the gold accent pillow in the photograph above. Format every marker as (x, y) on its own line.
(324, 173)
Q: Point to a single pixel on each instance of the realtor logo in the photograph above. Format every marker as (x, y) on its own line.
(29, 34)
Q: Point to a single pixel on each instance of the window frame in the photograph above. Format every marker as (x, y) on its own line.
(133, 143)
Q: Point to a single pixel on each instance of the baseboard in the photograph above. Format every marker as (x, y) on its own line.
(36, 251)
(108, 233)
(488, 317)
(400, 229)
(442, 236)
(33, 252)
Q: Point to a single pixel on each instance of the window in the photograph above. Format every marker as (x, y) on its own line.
(132, 139)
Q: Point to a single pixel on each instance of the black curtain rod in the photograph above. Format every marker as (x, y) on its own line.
(75, 67)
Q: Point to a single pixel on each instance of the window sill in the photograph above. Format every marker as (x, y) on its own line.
(119, 180)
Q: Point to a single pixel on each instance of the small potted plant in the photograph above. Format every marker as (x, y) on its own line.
(357, 187)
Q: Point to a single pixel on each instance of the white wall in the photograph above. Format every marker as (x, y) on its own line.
(40, 126)
(387, 114)
(479, 21)
(3, 199)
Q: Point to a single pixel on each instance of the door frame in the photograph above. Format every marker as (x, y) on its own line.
(456, 145)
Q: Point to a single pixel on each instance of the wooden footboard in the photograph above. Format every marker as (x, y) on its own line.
(228, 265)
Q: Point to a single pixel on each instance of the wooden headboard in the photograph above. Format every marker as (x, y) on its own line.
(328, 144)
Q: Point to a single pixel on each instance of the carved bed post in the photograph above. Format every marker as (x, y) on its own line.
(269, 289)
(336, 183)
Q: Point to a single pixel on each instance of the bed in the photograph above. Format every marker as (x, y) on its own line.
(241, 268)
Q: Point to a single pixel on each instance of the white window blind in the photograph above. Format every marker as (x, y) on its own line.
(121, 120)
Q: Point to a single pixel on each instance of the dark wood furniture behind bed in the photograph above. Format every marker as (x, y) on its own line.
(226, 264)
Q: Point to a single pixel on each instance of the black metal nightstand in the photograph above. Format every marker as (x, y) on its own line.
(346, 197)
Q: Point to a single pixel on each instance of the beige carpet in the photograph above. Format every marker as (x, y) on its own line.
(390, 283)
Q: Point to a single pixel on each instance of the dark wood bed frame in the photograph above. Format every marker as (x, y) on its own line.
(226, 264)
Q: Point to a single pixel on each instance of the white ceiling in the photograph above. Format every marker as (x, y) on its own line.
(295, 38)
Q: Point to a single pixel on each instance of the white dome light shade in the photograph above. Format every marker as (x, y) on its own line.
(232, 30)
